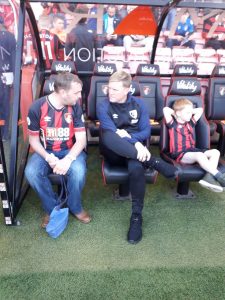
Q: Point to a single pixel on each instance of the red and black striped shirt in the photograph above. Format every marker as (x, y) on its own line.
(52, 49)
(56, 127)
(182, 136)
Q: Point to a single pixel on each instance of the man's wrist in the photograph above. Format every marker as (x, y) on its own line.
(49, 156)
(70, 157)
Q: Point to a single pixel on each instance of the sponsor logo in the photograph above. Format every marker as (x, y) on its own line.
(105, 89)
(115, 116)
(221, 71)
(51, 86)
(68, 117)
(63, 68)
(133, 113)
(134, 121)
(47, 119)
(151, 70)
(186, 85)
(57, 134)
(132, 89)
(186, 70)
(146, 90)
(105, 69)
(222, 90)
(5, 67)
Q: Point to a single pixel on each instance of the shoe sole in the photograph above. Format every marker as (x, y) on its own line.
(134, 242)
(211, 187)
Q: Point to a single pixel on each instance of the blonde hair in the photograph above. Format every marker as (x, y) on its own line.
(181, 104)
(121, 76)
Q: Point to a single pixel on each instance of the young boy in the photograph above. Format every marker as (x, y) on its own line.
(181, 121)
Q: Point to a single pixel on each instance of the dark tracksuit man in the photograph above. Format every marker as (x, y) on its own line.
(125, 126)
(82, 47)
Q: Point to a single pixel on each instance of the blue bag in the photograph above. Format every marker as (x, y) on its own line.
(59, 216)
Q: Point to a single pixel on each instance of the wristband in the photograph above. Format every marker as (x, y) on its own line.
(70, 157)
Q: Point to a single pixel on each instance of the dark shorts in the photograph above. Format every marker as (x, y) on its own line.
(178, 156)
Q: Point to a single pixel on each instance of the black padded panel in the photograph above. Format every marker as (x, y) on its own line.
(147, 70)
(148, 94)
(215, 102)
(48, 87)
(218, 71)
(98, 91)
(104, 69)
(185, 70)
(63, 66)
(135, 88)
(185, 87)
(151, 93)
(118, 174)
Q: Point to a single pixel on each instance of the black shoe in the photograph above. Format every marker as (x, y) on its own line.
(221, 180)
(163, 167)
(135, 231)
(210, 183)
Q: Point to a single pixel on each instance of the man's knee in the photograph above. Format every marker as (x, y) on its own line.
(78, 170)
(215, 153)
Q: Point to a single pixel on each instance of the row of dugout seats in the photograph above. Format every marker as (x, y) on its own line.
(166, 58)
(146, 84)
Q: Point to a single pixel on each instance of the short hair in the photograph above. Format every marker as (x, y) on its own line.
(121, 76)
(63, 81)
(181, 104)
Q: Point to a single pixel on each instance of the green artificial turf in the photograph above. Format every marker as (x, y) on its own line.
(181, 255)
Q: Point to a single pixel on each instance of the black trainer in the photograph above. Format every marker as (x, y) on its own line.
(209, 182)
(221, 180)
(135, 231)
(160, 165)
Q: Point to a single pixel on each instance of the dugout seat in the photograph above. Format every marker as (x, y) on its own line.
(189, 88)
(98, 91)
(113, 174)
(190, 71)
(215, 103)
(148, 77)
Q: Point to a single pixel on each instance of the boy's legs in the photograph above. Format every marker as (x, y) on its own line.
(208, 161)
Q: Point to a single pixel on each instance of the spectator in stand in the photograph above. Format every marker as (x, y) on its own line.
(7, 65)
(168, 22)
(58, 27)
(110, 22)
(136, 40)
(81, 47)
(92, 22)
(183, 33)
(217, 38)
(122, 11)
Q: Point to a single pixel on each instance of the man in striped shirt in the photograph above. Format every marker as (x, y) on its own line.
(58, 137)
(181, 121)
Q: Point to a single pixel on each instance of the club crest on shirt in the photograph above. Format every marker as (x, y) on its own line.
(68, 117)
(222, 90)
(146, 90)
(133, 113)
